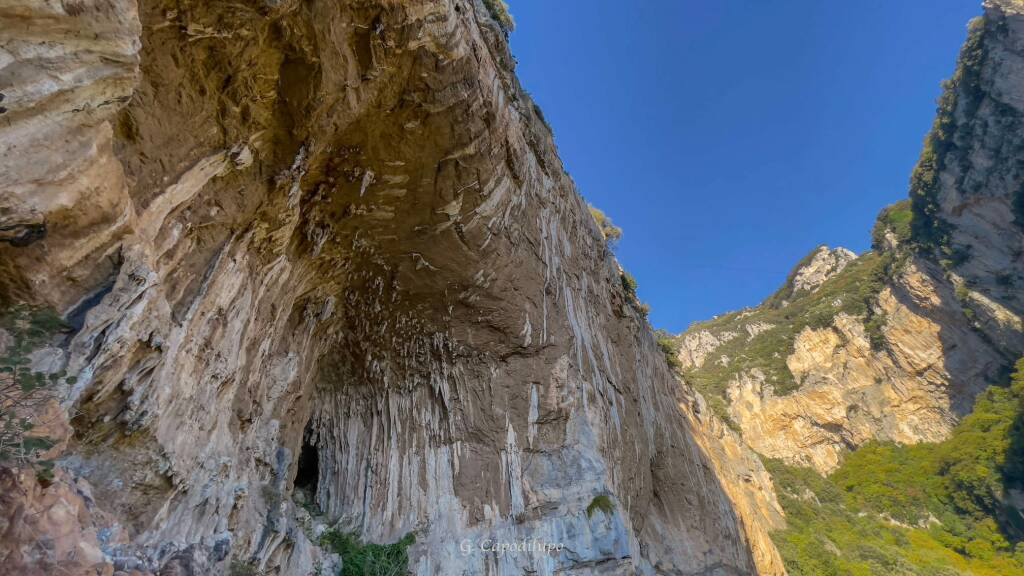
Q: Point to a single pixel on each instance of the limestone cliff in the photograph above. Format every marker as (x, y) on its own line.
(895, 344)
(319, 267)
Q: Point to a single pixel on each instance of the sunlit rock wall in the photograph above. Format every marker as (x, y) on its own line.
(338, 229)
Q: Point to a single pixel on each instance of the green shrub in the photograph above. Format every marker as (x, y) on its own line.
(601, 503)
(361, 559)
(963, 294)
(628, 284)
(611, 235)
(874, 330)
(669, 346)
(498, 10)
(899, 218)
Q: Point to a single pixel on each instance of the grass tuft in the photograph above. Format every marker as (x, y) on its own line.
(362, 559)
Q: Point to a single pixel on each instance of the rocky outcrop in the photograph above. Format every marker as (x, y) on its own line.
(697, 344)
(824, 263)
(695, 347)
(905, 372)
(50, 527)
(914, 388)
(311, 248)
(810, 273)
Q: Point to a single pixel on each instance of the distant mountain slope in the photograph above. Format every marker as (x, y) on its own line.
(888, 346)
(932, 509)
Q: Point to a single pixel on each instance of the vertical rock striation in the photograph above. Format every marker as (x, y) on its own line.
(339, 231)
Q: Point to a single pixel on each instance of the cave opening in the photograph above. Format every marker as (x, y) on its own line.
(307, 476)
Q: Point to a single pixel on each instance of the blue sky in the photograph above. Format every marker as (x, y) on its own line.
(729, 138)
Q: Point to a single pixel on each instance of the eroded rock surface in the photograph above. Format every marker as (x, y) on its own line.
(824, 264)
(914, 389)
(339, 230)
(695, 347)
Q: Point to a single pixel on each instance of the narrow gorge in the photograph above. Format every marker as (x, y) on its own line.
(302, 287)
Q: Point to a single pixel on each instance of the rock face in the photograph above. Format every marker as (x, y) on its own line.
(329, 248)
(905, 371)
(914, 388)
(695, 347)
(48, 529)
(894, 344)
(978, 190)
(744, 479)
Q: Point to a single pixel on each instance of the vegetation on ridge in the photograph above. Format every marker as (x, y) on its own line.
(929, 509)
(498, 10)
(898, 219)
(961, 92)
(787, 291)
(853, 292)
(669, 346)
(611, 235)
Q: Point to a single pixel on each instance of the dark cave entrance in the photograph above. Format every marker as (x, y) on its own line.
(307, 477)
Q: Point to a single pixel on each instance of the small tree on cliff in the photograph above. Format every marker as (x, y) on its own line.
(609, 231)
